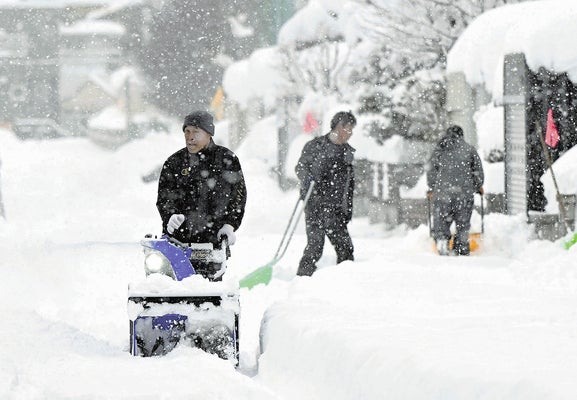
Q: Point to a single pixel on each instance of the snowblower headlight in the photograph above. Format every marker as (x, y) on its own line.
(156, 263)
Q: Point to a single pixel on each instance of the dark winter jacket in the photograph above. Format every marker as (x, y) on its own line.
(207, 187)
(331, 167)
(454, 168)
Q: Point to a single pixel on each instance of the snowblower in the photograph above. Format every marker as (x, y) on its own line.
(175, 305)
(475, 238)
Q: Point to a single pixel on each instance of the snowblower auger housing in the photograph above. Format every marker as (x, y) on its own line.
(175, 305)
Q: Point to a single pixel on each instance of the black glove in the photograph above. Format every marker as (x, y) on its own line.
(348, 216)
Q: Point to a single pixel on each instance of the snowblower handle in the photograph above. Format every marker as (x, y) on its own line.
(177, 242)
(224, 247)
(482, 213)
(223, 241)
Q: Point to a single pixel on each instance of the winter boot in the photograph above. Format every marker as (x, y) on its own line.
(461, 249)
(443, 247)
(306, 267)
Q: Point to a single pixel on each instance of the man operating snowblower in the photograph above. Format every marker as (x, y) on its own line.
(201, 191)
(201, 199)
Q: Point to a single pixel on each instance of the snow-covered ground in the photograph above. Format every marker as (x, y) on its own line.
(398, 323)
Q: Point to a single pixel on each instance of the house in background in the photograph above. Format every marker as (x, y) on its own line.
(117, 108)
(507, 70)
(62, 64)
(29, 64)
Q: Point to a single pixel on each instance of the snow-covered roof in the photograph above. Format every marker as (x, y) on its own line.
(114, 83)
(112, 8)
(95, 27)
(543, 30)
(4, 4)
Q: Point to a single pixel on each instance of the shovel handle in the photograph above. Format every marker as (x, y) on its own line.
(482, 213)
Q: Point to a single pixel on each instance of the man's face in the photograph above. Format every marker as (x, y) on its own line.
(196, 139)
(343, 133)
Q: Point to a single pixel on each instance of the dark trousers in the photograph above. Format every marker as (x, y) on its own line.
(449, 209)
(321, 222)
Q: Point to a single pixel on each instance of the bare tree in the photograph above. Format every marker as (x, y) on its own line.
(315, 66)
(425, 30)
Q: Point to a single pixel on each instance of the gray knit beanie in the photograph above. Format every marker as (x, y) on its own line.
(200, 119)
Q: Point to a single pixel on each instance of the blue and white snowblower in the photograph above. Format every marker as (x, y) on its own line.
(176, 305)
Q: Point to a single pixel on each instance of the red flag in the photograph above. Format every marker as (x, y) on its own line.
(552, 134)
(310, 123)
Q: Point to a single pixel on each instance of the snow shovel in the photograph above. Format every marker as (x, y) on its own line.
(475, 238)
(264, 274)
(571, 237)
(572, 240)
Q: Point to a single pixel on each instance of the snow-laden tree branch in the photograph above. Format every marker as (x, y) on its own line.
(413, 38)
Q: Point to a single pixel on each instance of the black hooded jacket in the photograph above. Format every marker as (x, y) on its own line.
(208, 188)
(331, 167)
(454, 167)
